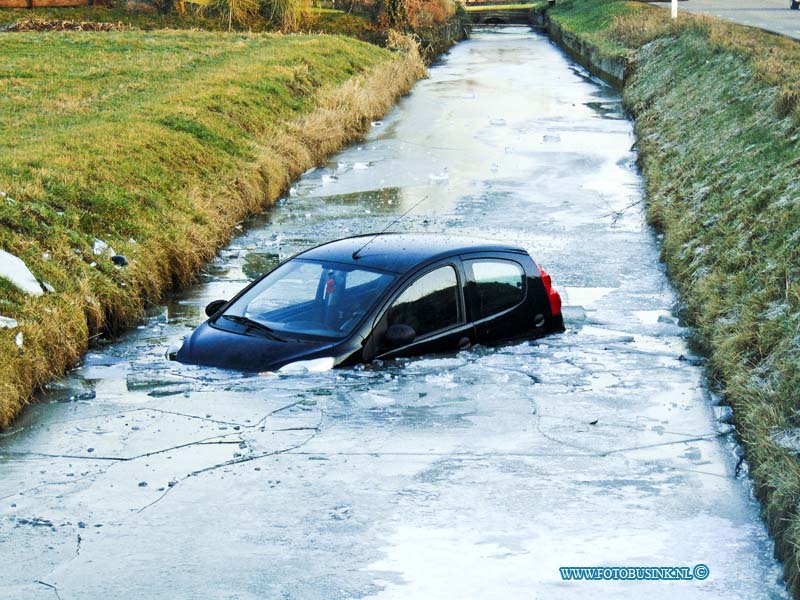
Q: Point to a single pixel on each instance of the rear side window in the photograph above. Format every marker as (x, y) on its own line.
(498, 285)
(429, 304)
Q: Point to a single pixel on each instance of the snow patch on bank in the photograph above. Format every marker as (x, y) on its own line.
(17, 272)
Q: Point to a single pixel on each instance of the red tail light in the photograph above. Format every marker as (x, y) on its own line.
(552, 295)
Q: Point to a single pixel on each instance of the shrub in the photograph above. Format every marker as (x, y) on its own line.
(239, 12)
(287, 15)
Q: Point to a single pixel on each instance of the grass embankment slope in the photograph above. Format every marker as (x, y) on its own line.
(718, 124)
(158, 144)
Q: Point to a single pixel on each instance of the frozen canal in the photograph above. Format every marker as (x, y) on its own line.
(474, 475)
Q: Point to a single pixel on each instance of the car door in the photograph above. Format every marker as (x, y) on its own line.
(432, 304)
(496, 289)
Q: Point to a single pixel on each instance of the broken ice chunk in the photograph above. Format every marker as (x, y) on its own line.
(99, 247)
(8, 323)
(17, 272)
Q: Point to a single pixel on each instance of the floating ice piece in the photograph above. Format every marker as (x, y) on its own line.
(8, 323)
(326, 179)
(293, 191)
(497, 122)
(377, 400)
(360, 166)
(587, 297)
(439, 177)
(341, 166)
(315, 365)
(17, 272)
(550, 139)
(376, 123)
(19, 340)
(99, 247)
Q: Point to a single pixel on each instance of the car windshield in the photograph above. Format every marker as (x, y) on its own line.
(325, 299)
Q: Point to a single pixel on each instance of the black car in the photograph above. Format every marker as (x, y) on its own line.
(377, 297)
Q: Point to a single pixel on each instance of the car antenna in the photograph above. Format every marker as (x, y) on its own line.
(385, 229)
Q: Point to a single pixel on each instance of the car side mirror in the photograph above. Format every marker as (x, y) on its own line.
(213, 307)
(399, 335)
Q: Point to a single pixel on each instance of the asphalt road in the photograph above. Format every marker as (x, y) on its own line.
(772, 15)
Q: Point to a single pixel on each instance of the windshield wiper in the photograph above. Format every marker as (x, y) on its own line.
(253, 324)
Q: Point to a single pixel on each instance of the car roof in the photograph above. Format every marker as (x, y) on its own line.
(400, 252)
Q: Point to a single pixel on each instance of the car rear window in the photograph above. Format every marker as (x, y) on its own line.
(497, 285)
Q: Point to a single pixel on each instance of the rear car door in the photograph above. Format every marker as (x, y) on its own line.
(433, 305)
(496, 289)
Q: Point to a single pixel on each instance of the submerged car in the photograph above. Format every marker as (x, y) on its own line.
(377, 297)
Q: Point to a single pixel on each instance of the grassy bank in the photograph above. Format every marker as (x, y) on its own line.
(718, 125)
(157, 144)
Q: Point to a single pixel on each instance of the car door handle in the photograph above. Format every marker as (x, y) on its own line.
(464, 343)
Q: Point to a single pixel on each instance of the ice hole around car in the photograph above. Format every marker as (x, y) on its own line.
(377, 297)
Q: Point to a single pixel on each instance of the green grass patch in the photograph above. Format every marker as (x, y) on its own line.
(592, 20)
(718, 128)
